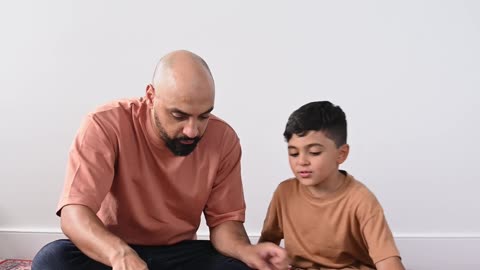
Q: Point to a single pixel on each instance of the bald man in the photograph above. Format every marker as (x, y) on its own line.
(141, 172)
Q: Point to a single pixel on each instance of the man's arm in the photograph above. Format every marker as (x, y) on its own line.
(88, 233)
(392, 263)
(230, 239)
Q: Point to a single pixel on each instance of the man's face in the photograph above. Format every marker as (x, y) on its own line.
(181, 145)
(181, 118)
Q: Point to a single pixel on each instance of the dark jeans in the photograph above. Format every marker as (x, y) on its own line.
(186, 255)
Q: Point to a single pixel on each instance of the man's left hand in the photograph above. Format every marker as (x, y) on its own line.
(266, 256)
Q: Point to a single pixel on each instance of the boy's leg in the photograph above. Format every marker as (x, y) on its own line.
(64, 255)
(189, 255)
(356, 267)
(360, 267)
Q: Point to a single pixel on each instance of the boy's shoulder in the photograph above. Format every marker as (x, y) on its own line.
(288, 188)
(362, 196)
(357, 187)
(288, 185)
(287, 182)
(354, 191)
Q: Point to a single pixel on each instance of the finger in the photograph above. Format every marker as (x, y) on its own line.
(262, 265)
(280, 262)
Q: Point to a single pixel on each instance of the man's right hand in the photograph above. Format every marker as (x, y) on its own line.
(89, 234)
(128, 261)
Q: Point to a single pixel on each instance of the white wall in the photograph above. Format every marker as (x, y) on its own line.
(407, 74)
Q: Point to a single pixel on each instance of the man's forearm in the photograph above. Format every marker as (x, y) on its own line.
(89, 234)
(229, 238)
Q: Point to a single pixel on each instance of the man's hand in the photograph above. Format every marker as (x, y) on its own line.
(230, 239)
(128, 261)
(89, 234)
(266, 256)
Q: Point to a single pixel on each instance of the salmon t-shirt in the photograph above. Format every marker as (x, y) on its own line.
(141, 191)
(344, 229)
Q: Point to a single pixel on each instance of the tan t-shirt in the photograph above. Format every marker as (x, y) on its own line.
(140, 190)
(346, 228)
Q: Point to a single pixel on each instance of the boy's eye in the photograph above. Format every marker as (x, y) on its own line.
(293, 154)
(315, 153)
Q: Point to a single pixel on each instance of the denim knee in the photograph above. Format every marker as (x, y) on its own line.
(52, 256)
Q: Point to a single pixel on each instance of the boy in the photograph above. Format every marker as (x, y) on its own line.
(327, 218)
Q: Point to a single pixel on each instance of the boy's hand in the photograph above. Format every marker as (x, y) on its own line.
(266, 256)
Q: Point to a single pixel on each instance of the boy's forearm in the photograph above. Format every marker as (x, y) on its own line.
(392, 263)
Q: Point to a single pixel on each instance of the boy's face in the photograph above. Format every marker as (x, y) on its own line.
(314, 159)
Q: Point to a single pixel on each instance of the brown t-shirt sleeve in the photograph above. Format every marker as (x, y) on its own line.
(272, 225)
(90, 166)
(376, 232)
(226, 201)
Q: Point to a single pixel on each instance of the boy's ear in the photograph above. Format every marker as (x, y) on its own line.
(343, 153)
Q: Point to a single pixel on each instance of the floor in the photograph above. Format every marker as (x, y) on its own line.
(15, 264)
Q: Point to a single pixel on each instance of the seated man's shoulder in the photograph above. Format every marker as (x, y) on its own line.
(117, 107)
(116, 114)
(218, 123)
(219, 130)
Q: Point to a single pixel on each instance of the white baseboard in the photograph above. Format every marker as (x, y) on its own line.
(440, 252)
(419, 252)
(22, 244)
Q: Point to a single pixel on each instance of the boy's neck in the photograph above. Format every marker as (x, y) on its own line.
(330, 186)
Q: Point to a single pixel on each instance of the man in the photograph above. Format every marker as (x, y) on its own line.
(141, 172)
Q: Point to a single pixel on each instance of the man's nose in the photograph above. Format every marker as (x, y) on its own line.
(191, 129)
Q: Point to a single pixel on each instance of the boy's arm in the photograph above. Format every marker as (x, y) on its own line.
(377, 234)
(272, 228)
(263, 238)
(392, 263)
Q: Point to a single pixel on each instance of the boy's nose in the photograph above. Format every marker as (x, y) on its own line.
(303, 160)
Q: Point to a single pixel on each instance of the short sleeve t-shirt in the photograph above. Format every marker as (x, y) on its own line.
(141, 191)
(346, 228)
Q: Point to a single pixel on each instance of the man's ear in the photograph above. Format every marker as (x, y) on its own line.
(150, 93)
(343, 153)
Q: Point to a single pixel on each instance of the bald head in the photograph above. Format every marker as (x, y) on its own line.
(182, 96)
(181, 65)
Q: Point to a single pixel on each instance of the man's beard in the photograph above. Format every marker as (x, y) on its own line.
(174, 144)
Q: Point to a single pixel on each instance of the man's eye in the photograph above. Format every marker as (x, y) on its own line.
(179, 116)
(204, 117)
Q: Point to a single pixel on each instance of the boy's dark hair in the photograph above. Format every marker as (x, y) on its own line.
(318, 116)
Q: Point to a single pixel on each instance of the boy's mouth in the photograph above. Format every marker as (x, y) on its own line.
(305, 174)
